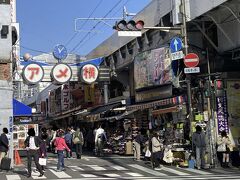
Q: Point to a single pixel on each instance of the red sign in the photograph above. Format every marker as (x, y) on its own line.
(33, 73)
(191, 60)
(89, 73)
(61, 73)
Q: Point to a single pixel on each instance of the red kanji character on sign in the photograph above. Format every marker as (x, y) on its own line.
(62, 73)
(34, 70)
(89, 72)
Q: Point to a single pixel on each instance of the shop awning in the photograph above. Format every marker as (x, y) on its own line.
(163, 102)
(104, 108)
(121, 116)
(20, 109)
(165, 110)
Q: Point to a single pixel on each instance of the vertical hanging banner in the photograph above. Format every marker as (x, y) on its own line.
(65, 99)
(222, 115)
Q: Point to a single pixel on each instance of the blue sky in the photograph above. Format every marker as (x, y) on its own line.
(45, 23)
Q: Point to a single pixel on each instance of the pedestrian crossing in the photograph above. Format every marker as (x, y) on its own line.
(129, 171)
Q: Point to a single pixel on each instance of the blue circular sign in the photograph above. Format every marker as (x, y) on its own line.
(60, 52)
(175, 44)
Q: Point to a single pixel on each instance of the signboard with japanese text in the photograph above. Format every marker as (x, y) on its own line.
(65, 98)
(20, 134)
(177, 55)
(33, 73)
(89, 93)
(222, 114)
(233, 97)
(61, 73)
(51, 102)
(89, 73)
(152, 68)
(192, 70)
(75, 68)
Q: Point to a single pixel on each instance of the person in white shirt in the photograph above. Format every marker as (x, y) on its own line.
(32, 144)
(100, 137)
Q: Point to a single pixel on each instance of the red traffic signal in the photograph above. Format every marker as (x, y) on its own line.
(129, 26)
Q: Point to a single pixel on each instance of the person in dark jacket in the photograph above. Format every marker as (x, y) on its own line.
(199, 141)
(43, 147)
(4, 144)
(68, 139)
(32, 144)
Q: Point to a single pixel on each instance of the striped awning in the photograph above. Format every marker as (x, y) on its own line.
(165, 110)
(163, 102)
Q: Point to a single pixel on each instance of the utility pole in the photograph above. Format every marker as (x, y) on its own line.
(188, 77)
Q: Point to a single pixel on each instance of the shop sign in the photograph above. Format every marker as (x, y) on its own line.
(61, 73)
(33, 73)
(222, 114)
(89, 73)
(65, 97)
(52, 102)
(152, 68)
(154, 94)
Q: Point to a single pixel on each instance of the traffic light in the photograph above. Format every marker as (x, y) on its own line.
(219, 87)
(129, 26)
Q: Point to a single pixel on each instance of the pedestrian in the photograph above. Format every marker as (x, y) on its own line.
(32, 144)
(78, 141)
(54, 135)
(60, 145)
(90, 139)
(68, 139)
(4, 144)
(43, 148)
(157, 148)
(100, 137)
(137, 146)
(199, 141)
(224, 148)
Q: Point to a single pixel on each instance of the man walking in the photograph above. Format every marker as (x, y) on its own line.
(100, 137)
(32, 144)
(4, 144)
(199, 141)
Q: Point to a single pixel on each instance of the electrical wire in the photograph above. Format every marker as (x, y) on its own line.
(76, 33)
(102, 26)
(79, 43)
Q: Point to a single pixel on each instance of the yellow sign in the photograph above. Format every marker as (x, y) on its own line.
(199, 117)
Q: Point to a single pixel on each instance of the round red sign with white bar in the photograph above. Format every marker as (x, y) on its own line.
(61, 73)
(191, 60)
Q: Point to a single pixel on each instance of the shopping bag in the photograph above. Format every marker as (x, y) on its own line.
(76, 140)
(43, 161)
(148, 153)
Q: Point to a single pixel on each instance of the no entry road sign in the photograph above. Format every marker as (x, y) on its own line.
(191, 60)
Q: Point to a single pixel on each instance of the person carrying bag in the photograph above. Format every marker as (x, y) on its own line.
(78, 141)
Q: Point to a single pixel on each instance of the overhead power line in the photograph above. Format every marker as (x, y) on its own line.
(76, 33)
(79, 43)
(83, 43)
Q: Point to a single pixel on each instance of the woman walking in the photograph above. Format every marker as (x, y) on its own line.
(156, 150)
(32, 144)
(224, 147)
(60, 147)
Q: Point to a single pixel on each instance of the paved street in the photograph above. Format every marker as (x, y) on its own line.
(118, 167)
